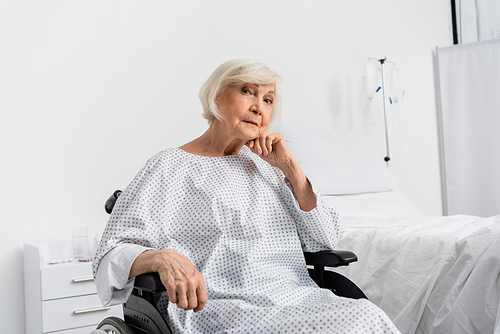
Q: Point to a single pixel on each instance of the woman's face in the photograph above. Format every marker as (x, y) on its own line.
(247, 108)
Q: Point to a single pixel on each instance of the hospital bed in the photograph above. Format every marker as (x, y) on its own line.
(429, 274)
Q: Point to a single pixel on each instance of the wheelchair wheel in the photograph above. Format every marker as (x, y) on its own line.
(113, 325)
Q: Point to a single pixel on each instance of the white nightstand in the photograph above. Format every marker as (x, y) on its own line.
(61, 297)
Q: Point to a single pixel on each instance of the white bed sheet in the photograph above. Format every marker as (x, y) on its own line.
(429, 274)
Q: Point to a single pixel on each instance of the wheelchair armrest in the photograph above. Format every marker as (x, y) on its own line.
(330, 258)
(149, 282)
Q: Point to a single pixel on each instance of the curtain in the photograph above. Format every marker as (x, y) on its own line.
(477, 20)
(469, 83)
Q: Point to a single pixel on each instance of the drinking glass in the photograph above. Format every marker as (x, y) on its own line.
(80, 242)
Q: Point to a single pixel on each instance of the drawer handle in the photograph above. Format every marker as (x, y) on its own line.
(83, 279)
(90, 310)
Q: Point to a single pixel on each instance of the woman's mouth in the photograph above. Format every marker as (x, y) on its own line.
(251, 123)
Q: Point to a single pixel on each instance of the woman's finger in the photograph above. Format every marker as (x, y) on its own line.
(262, 142)
(202, 297)
(182, 298)
(192, 298)
(269, 144)
(257, 146)
(169, 283)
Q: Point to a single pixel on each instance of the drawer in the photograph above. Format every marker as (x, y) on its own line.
(80, 330)
(75, 312)
(68, 280)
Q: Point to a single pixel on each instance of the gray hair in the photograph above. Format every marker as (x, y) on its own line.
(236, 72)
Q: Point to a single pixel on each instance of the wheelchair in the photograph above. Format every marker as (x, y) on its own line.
(142, 317)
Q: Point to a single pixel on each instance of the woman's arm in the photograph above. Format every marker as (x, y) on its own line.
(273, 149)
(318, 229)
(300, 184)
(127, 249)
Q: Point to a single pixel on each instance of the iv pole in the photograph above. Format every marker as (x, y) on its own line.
(382, 62)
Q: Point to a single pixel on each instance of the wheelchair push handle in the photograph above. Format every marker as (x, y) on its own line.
(110, 202)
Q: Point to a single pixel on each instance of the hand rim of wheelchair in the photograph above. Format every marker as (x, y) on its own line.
(113, 325)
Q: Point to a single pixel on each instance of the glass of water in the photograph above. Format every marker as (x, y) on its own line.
(80, 242)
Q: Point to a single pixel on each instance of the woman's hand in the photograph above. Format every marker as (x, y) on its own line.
(273, 149)
(184, 283)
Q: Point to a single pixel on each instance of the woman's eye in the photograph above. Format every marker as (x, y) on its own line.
(246, 91)
(268, 101)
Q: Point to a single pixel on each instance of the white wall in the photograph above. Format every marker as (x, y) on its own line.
(91, 89)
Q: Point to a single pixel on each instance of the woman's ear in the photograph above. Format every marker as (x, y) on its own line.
(217, 101)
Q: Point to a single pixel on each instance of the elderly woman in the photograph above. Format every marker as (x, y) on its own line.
(224, 220)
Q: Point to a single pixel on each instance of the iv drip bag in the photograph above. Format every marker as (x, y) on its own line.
(394, 84)
(370, 76)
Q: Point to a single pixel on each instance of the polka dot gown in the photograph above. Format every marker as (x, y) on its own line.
(237, 220)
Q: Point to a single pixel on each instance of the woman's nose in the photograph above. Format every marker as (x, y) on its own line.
(257, 107)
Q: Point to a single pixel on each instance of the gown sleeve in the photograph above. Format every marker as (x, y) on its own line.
(318, 229)
(128, 233)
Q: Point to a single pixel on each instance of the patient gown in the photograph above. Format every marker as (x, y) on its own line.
(237, 220)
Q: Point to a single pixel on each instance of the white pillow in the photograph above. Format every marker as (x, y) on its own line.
(390, 203)
(338, 163)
